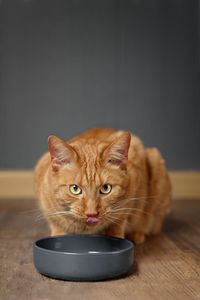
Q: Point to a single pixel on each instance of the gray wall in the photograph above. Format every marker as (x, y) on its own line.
(69, 65)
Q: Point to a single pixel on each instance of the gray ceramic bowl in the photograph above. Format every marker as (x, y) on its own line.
(83, 257)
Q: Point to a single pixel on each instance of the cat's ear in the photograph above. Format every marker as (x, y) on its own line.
(117, 152)
(61, 153)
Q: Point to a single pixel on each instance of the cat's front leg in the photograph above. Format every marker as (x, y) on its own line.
(137, 237)
(116, 230)
(56, 230)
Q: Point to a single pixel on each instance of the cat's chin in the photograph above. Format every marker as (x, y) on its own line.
(91, 226)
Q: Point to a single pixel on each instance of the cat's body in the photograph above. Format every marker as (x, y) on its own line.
(103, 181)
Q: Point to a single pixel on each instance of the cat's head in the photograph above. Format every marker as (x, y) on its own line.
(89, 178)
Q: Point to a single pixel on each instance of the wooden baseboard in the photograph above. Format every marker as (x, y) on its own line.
(185, 184)
(16, 184)
(19, 184)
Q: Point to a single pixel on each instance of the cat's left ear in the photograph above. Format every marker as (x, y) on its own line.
(61, 153)
(117, 152)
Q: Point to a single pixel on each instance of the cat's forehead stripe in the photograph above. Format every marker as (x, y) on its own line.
(89, 155)
(91, 163)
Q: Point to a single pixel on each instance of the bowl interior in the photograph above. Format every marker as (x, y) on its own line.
(84, 244)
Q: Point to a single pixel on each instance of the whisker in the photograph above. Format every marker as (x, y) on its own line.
(40, 220)
(51, 214)
(128, 214)
(110, 220)
(133, 212)
(114, 217)
(137, 198)
(58, 212)
(30, 211)
(122, 202)
(123, 208)
(113, 220)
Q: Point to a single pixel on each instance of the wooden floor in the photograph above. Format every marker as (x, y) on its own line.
(167, 266)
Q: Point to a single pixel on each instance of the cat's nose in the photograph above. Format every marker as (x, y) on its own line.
(92, 218)
(92, 214)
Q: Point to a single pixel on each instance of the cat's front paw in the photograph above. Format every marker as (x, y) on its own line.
(56, 231)
(137, 237)
(118, 235)
(115, 232)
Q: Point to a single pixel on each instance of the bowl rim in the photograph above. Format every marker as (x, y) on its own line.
(131, 245)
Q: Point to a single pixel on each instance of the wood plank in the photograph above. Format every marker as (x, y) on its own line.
(167, 266)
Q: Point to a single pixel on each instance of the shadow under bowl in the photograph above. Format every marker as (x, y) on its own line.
(83, 257)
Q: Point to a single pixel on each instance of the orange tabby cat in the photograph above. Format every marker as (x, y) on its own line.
(103, 181)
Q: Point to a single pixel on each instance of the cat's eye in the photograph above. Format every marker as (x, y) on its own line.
(106, 189)
(75, 189)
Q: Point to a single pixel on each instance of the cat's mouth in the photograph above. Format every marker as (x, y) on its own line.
(92, 220)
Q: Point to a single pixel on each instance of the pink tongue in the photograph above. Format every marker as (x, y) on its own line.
(92, 220)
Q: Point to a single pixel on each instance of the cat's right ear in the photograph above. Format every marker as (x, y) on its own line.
(61, 153)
